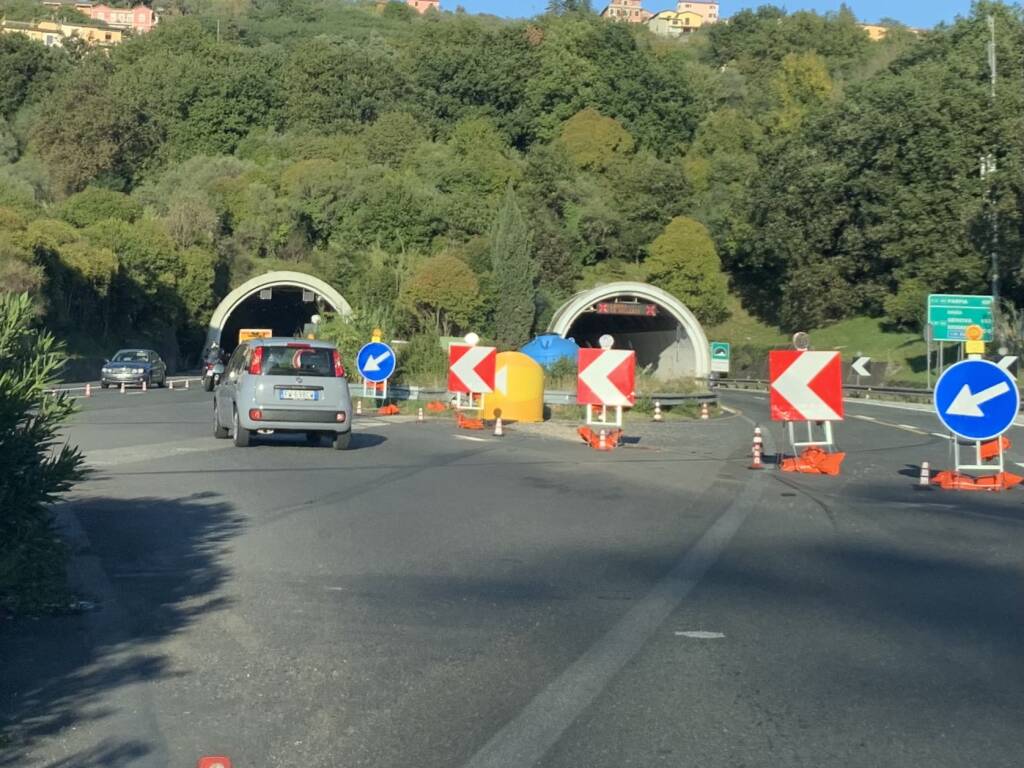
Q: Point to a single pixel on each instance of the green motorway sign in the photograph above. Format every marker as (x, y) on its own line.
(950, 316)
(721, 354)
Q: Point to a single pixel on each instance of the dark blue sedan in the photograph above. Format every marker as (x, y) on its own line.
(134, 367)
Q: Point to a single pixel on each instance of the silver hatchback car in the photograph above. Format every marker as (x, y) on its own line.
(284, 385)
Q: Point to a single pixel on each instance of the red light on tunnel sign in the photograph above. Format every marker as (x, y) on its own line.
(630, 308)
(214, 761)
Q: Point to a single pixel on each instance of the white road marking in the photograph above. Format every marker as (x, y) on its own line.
(1019, 464)
(530, 735)
(473, 439)
(701, 635)
(863, 418)
(909, 428)
(940, 434)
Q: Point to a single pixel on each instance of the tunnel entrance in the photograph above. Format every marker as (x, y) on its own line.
(283, 302)
(282, 310)
(668, 340)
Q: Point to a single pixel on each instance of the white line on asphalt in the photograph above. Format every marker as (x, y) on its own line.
(1019, 464)
(864, 418)
(909, 428)
(940, 434)
(474, 439)
(525, 740)
(701, 635)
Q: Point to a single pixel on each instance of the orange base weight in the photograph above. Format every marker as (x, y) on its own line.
(389, 410)
(463, 423)
(593, 439)
(956, 481)
(814, 461)
(436, 406)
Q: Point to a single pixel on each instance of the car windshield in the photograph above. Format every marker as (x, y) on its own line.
(298, 361)
(131, 356)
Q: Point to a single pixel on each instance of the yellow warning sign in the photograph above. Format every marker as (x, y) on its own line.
(974, 347)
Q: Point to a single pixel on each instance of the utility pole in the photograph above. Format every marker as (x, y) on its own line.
(988, 170)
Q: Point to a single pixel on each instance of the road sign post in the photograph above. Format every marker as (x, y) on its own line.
(977, 401)
(721, 356)
(607, 378)
(951, 315)
(376, 364)
(806, 386)
(471, 372)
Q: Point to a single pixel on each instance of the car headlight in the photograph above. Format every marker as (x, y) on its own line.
(107, 370)
(137, 370)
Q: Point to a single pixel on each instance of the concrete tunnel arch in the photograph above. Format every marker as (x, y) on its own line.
(676, 347)
(290, 282)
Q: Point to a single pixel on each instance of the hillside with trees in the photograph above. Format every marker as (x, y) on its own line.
(454, 172)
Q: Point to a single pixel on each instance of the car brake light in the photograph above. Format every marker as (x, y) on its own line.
(255, 414)
(341, 417)
(339, 369)
(256, 364)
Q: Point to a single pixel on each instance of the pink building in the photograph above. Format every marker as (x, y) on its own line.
(422, 6)
(626, 10)
(139, 18)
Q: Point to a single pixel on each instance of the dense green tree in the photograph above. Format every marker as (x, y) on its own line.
(93, 205)
(443, 293)
(684, 262)
(514, 275)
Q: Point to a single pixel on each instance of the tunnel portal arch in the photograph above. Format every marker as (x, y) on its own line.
(270, 280)
(671, 352)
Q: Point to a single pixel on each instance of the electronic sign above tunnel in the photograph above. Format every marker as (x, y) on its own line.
(631, 308)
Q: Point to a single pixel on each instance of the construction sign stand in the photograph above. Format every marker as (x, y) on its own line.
(375, 390)
(471, 375)
(605, 380)
(977, 401)
(807, 387)
(982, 454)
(593, 420)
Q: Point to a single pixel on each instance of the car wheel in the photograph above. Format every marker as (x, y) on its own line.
(241, 433)
(221, 433)
(104, 385)
(342, 440)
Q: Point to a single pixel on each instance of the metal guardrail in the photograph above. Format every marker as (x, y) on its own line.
(865, 389)
(551, 397)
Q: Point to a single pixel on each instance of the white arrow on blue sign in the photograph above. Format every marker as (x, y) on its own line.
(977, 400)
(376, 362)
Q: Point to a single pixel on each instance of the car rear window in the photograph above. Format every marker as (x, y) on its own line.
(297, 361)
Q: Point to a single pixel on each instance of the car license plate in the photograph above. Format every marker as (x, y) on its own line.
(298, 394)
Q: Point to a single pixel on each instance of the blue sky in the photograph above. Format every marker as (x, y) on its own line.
(916, 13)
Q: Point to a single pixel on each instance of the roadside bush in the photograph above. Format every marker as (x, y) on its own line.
(33, 470)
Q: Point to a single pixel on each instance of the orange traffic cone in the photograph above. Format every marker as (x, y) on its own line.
(704, 415)
(88, 390)
(419, 415)
(359, 407)
(657, 411)
(498, 431)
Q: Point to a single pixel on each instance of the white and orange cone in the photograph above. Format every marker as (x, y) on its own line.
(88, 390)
(419, 415)
(657, 410)
(122, 387)
(704, 415)
(498, 430)
(925, 481)
(359, 407)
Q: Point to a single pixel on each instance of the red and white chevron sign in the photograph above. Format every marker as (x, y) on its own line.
(606, 377)
(805, 386)
(471, 369)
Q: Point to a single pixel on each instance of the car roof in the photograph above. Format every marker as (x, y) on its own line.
(133, 349)
(282, 340)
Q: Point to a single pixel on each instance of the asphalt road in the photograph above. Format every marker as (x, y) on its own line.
(435, 598)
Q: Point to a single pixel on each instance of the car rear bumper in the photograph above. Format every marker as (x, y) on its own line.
(299, 420)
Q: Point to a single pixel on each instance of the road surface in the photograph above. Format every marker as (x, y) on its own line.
(452, 600)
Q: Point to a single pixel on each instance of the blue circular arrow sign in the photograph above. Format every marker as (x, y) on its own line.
(376, 362)
(977, 400)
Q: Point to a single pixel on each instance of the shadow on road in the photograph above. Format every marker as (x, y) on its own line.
(163, 558)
